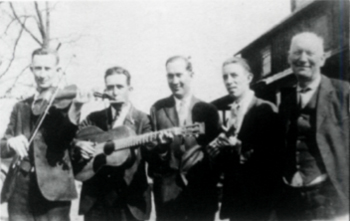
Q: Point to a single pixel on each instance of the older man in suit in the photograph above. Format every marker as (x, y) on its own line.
(40, 182)
(184, 180)
(316, 119)
(114, 186)
(248, 151)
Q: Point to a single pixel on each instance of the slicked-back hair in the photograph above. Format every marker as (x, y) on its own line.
(241, 61)
(46, 51)
(118, 70)
(180, 57)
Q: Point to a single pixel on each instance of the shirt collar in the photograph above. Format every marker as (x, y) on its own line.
(246, 99)
(36, 95)
(124, 107)
(186, 100)
(312, 86)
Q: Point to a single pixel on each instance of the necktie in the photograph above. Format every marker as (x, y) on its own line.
(234, 117)
(116, 116)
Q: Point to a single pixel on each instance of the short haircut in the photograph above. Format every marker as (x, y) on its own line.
(180, 57)
(46, 51)
(118, 70)
(308, 35)
(241, 61)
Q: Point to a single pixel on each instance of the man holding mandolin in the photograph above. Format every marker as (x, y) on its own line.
(40, 181)
(114, 182)
(248, 151)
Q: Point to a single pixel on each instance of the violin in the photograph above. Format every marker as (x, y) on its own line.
(63, 98)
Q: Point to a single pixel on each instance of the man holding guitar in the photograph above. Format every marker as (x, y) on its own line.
(184, 181)
(114, 182)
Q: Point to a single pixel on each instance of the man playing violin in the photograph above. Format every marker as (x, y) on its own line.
(114, 186)
(248, 149)
(184, 181)
(40, 182)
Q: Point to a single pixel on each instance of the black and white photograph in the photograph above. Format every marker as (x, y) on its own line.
(174, 110)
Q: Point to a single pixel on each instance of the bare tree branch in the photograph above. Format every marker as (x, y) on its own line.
(47, 24)
(9, 24)
(14, 50)
(13, 21)
(40, 22)
(23, 25)
(53, 7)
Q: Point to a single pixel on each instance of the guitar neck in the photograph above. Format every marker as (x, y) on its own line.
(140, 139)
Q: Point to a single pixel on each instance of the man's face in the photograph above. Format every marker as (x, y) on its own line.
(117, 87)
(306, 58)
(179, 78)
(236, 79)
(44, 68)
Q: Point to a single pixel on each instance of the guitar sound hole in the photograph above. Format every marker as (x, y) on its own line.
(109, 147)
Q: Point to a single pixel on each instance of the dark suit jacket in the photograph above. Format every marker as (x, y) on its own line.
(199, 195)
(250, 190)
(332, 129)
(127, 182)
(49, 152)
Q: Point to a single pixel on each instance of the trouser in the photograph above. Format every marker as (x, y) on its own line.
(103, 211)
(185, 208)
(318, 202)
(27, 202)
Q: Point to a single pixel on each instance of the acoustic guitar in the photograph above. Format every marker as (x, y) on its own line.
(116, 143)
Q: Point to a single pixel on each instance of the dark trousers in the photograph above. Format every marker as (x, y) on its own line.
(103, 211)
(27, 202)
(183, 208)
(319, 202)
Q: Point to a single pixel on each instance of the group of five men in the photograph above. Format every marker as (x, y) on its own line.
(286, 164)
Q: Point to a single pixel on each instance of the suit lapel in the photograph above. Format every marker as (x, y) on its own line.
(170, 111)
(129, 119)
(323, 100)
(246, 116)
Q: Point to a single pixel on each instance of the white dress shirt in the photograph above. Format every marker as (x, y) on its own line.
(242, 109)
(182, 108)
(306, 93)
(122, 115)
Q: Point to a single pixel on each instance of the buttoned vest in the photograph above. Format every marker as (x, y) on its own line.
(303, 153)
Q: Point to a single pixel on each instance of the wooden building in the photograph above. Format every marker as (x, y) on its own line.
(267, 55)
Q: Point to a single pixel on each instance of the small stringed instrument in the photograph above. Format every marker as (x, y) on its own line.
(116, 143)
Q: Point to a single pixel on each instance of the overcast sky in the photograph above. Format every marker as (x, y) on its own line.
(141, 35)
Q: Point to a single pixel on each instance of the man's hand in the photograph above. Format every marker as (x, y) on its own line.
(19, 144)
(221, 141)
(83, 96)
(165, 137)
(86, 148)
